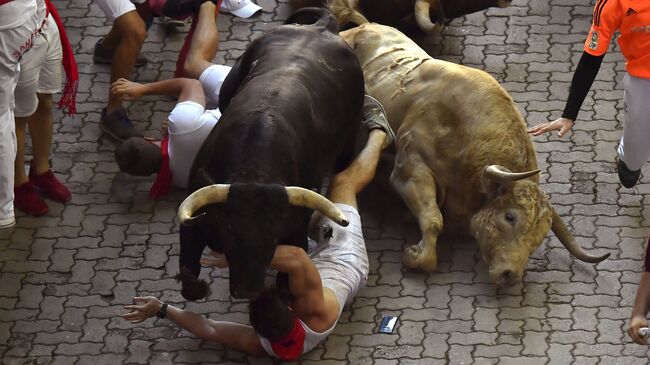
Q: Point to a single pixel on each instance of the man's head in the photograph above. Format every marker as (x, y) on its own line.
(270, 316)
(138, 156)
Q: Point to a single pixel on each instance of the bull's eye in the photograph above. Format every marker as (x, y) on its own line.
(510, 218)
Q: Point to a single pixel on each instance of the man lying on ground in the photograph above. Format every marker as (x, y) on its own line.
(320, 285)
(189, 122)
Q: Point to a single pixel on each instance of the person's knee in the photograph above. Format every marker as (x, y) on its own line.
(45, 101)
(191, 67)
(131, 28)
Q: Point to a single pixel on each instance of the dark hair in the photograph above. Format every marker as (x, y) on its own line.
(139, 157)
(270, 316)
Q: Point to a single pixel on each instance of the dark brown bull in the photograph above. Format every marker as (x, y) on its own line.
(283, 129)
(430, 15)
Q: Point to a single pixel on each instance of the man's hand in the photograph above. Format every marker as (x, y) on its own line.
(636, 323)
(217, 260)
(149, 307)
(127, 90)
(562, 124)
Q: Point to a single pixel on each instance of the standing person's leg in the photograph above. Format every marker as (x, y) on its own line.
(41, 122)
(8, 81)
(26, 198)
(634, 149)
(40, 172)
(122, 46)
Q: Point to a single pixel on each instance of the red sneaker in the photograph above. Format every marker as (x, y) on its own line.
(50, 186)
(27, 199)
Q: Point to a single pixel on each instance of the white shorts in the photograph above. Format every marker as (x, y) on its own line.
(211, 79)
(340, 256)
(40, 70)
(189, 126)
(114, 9)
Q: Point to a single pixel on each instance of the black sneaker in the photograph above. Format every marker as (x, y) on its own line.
(374, 117)
(118, 125)
(628, 177)
(103, 56)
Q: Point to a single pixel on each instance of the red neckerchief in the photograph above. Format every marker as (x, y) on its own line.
(163, 183)
(182, 56)
(289, 348)
(68, 101)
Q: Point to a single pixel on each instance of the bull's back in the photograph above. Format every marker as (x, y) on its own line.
(285, 118)
(458, 118)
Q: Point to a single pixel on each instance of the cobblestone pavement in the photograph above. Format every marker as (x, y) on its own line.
(65, 277)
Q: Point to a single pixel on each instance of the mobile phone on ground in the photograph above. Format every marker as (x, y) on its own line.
(387, 324)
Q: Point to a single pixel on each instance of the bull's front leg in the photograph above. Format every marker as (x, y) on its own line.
(415, 183)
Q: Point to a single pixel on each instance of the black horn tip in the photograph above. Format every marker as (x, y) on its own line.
(344, 222)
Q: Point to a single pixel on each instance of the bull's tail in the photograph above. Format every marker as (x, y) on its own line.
(319, 17)
(345, 12)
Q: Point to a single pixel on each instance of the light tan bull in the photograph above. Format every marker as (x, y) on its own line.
(459, 140)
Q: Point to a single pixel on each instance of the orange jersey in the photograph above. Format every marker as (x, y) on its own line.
(632, 18)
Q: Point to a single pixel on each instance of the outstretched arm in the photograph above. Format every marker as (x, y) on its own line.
(233, 335)
(640, 309)
(583, 78)
(183, 89)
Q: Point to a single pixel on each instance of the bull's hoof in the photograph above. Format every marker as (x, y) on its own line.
(417, 257)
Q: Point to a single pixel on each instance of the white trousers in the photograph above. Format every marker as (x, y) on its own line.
(634, 148)
(14, 43)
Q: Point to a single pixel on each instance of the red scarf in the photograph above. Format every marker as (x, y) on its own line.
(163, 183)
(182, 56)
(69, 94)
(289, 348)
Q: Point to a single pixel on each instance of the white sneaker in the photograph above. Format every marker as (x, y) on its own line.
(7, 223)
(240, 8)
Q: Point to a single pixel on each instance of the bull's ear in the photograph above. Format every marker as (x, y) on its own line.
(493, 188)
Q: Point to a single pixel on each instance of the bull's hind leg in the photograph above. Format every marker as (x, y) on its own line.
(414, 182)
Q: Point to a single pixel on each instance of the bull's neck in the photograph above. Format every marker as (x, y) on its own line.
(253, 176)
(397, 60)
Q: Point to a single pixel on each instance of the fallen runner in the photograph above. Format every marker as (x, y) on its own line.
(320, 285)
(189, 123)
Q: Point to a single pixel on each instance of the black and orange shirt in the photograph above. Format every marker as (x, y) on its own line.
(632, 18)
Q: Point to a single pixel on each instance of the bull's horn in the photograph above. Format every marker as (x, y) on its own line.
(212, 194)
(500, 174)
(423, 17)
(302, 197)
(562, 233)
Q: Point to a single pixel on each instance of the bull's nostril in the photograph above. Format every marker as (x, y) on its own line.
(508, 277)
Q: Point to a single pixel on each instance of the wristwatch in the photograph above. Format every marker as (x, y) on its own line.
(163, 311)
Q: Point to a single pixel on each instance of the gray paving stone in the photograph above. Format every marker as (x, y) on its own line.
(78, 265)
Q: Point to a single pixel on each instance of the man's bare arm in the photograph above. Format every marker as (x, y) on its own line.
(233, 335)
(183, 89)
(640, 309)
(304, 279)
